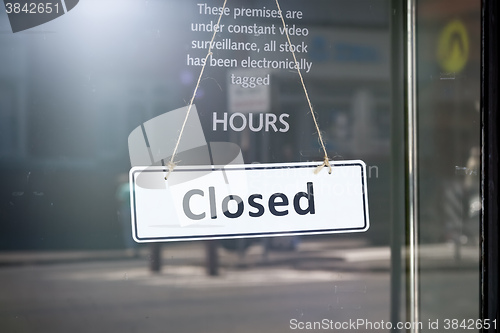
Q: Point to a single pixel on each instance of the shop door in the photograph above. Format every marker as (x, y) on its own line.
(396, 84)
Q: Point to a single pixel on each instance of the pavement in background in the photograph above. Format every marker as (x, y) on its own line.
(318, 254)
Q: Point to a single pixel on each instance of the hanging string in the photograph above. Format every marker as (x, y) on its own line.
(326, 161)
(171, 165)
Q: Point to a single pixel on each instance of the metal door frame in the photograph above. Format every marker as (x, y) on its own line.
(490, 144)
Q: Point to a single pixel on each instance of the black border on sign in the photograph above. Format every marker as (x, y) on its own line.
(257, 234)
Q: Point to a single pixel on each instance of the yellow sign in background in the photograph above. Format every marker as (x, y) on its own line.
(453, 47)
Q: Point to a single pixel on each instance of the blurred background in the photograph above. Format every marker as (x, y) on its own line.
(72, 90)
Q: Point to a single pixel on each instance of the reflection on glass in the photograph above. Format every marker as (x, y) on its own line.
(73, 89)
(449, 124)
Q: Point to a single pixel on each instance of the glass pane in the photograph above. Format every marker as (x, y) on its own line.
(74, 88)
(448, 63)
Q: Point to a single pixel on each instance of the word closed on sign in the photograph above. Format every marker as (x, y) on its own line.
(199, 203)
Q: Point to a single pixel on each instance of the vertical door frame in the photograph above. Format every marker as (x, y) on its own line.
(411, 169)
(490, 144)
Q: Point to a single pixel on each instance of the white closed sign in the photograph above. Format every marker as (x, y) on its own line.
(261, 200)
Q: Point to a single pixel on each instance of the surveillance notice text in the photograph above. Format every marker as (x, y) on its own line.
(258, 33)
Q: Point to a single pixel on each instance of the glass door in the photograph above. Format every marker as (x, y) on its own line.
(84, 91)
